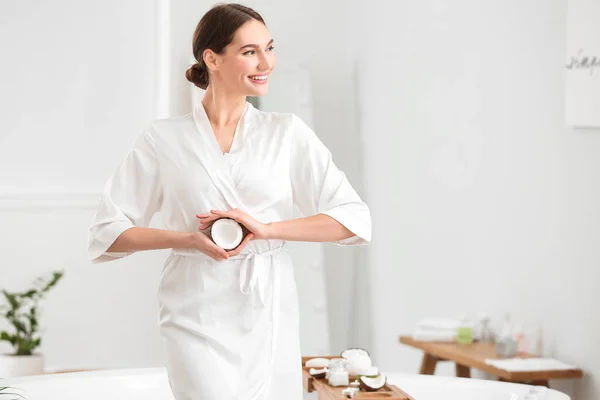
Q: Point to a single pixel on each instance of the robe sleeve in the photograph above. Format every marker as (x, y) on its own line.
(319, 187)
(132, 195)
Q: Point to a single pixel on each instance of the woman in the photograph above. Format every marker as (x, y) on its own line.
(228, 319)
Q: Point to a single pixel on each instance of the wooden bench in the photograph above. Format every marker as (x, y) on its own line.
(467, 356)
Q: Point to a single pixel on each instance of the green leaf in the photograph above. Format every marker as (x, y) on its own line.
(56, 276)
(5, 336)
(3, 392)
(33, 322)
(12, 339)
(11, 298)
(19, 325)
(29, 294)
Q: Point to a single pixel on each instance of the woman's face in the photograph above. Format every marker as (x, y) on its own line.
(248, 61)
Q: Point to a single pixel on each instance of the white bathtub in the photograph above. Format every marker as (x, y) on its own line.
(152, 384)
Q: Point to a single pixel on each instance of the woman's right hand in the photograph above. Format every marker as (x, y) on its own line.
(202, 242)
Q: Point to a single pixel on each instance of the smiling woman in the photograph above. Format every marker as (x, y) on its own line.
(229, 317)
(232, 45)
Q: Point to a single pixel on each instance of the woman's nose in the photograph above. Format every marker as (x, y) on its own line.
(265, 63)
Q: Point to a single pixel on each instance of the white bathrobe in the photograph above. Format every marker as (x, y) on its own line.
(229, 328)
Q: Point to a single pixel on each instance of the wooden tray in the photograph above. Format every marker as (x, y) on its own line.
(326, 392)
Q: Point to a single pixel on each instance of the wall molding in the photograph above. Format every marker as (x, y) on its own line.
(38, 199)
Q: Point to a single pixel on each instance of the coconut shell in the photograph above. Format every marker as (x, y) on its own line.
(368, 388)
(319, 375)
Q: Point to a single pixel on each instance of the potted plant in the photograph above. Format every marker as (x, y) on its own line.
(22, 312)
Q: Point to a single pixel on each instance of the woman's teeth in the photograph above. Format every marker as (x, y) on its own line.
(259, 78)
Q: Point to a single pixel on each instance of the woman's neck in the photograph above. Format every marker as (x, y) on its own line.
(221, 109)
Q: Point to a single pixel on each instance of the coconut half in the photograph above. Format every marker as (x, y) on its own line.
(354, 351)
(358, 361)
(226, 233)
(372, 384)
(317, 362)
(318, 373)
(337, 363)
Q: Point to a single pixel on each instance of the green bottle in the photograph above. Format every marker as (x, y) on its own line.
(464, 333)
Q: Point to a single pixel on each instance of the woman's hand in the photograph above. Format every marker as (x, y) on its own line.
(257, 229)
(203, 243)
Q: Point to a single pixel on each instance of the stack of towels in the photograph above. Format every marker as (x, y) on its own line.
(529, 364)
(438, 329)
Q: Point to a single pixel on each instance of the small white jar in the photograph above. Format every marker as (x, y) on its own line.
(338, 377)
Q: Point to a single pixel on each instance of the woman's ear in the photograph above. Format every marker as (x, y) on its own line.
(210, 59)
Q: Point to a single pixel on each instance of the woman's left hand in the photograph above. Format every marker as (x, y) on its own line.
(258, 229)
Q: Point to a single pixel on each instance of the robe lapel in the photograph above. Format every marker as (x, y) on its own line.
(212, 158)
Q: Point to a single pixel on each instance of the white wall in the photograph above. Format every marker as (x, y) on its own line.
(78, 84)
(75, 75)
(482, 198)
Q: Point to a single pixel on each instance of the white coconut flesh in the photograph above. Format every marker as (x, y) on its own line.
(226, 233)
(317, 372)
(317, 362)
(375, 383)
(352, 352)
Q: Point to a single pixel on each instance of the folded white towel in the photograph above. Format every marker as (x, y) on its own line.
(439, 324)
(529, 364)
(434, 336)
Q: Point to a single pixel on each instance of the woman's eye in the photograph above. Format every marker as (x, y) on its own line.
(252, 52)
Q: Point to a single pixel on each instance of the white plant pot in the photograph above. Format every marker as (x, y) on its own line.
(12, 366)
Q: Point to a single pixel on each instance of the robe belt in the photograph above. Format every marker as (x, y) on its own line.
(253, 273)
(254, 269)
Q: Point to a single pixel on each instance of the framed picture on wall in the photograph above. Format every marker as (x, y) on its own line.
(583, 63)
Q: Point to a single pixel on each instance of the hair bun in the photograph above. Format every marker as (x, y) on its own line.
(198, 75)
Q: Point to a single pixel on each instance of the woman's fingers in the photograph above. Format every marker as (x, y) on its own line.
(215, 250)
(241, 246)
(222, 254)
(213, 215)
(218, 256)
(206, 221)
(230, 214)
(204, 226)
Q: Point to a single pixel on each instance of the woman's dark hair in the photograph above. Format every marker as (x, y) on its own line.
(215, 32)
